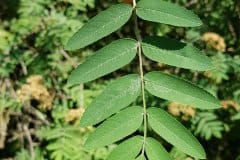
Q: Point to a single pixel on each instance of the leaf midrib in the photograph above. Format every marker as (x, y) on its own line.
(132, 120)
(114, 98)
(104, 63)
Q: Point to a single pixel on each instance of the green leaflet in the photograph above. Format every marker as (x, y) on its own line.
(175, 89)
(118, 95)
(175, 133)
(100, 26)
(115, 128)
(166, 12)
(174, 53)
(127, 150)
(155, 150)
(140, 158)
(106, 60)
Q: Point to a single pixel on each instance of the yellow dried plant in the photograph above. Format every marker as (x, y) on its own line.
(215, 41)
(35, 90)
(180, 110)
(74, 115)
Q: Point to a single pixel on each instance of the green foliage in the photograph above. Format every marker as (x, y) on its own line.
(32, 35)
(122, 150)
(104, 61)
(172, 88)
(169, 51)
(207, 125)
(141, 158)
(159, 84)
(116, 128)
(155, 150)
(173, 132)
(218, 74)
(167, 13)
(112, 99)
(24, 154)
(177, 154)
(67, 142)
(100, 26)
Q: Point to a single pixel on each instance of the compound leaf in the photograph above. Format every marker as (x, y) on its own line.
(106, 60)
(167, 13)
(175, 89)
(100, 26)
(175, 133)
(127, 150)
(118, 95)
(115, 128)
(174, 53)
(155, 150)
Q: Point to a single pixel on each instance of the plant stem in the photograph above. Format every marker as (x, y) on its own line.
(29, 138)
(139, 38)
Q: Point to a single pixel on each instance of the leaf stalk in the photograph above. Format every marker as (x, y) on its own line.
(139, 39)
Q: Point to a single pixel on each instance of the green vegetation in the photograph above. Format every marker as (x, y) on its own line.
(40, 112)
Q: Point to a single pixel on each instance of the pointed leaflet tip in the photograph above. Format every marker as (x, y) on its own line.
(105, 23)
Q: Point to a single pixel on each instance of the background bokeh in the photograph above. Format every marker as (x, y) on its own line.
(39, 114)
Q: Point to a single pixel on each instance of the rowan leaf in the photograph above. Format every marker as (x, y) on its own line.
(127, 150)
(175, 89)
(106, 60)
(115, 128)
(141, 158)
(168, 13)
(155, 150)
(175, 133)
(118, 95)
(100, 26)
(174, 53)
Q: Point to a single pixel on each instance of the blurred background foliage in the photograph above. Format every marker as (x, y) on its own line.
(40, 115)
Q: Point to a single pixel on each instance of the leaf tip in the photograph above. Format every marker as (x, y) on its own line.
(69, 46)
(202, 155)
(199, 22)
(70, 82)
